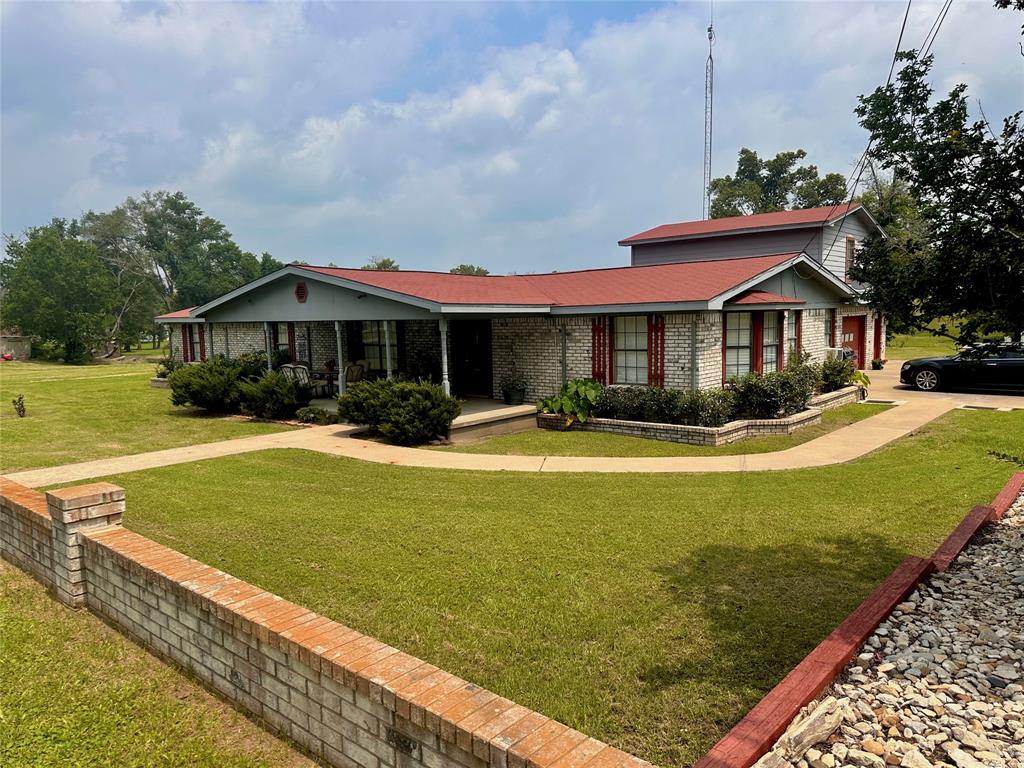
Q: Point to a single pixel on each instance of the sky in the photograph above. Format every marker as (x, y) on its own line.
(522, 137)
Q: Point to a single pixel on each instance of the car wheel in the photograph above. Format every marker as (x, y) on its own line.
(926, 379)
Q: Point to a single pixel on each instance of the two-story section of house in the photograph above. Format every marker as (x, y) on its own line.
(829, 235)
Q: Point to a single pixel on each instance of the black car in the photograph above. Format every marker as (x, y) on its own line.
(996, 366)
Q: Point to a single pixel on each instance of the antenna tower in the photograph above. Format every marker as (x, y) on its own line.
(709, 104)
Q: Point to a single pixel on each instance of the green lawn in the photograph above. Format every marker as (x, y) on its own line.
(910, 345)
(648, 610)
(74, 692)
(77, 413)
(546, 442)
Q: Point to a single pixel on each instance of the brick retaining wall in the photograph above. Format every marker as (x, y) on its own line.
(713, 436)
(341, 695)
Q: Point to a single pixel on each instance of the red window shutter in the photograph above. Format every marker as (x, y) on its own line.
(799, 331)
(783, 331)
(599, 350)
(656, 351)
(186, 347)
(291, 341)
(273, 337)
(757, 340)
(202, 343)
(725, 336)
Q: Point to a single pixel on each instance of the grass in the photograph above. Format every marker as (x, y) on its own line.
(651, 611)
(77, 413)
(74, 692)
(908, 346)
(545, 442)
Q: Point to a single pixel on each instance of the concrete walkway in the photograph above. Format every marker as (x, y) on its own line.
(842, 445)
(836, 447)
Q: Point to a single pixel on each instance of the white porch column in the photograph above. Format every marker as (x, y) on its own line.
(341, 364)
(445, 383)
(266, 340)
(387, 347)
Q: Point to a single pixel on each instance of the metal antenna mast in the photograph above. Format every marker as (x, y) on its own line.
(709, 103)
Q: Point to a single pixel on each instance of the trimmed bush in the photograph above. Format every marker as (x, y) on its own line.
(314, 414)
(211, 385)
(167, 366)
(274, 396)
(837, 373)
(639, 404)
(402, 412)
(707, 407)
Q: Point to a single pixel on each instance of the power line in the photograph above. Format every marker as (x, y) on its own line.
(848, 190)
(937, 25)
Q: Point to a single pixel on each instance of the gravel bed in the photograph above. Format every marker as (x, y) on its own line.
(941, 682)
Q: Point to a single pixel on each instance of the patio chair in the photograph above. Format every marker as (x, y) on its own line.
(288, 371)
(302, 377)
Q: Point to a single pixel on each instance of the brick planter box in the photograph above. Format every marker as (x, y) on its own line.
(729, 433)
(159, 383)
(841, 397)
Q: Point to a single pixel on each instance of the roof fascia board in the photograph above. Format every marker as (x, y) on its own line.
(724, 233)
(351, 285)
(756, 307)
(718, 302)
(178, 320)
(612, 309)
(495, 309)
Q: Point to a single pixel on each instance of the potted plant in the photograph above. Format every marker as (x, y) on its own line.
(513, 387)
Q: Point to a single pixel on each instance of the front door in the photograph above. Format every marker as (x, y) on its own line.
(853, 336)
(471, 358)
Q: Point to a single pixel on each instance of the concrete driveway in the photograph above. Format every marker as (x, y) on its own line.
(885, 385)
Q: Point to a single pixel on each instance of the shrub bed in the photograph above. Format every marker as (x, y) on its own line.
(779, 395)
(239, 385)
(401, 412)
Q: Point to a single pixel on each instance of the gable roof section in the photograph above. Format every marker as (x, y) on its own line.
(683, 285)
(806, 217)
(764, 297)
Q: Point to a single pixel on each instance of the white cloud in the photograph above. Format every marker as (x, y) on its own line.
(329, 133)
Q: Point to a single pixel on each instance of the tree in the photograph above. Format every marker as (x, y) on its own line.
(57, 288)
(381, 264)
(469, 269)
(965, 260)
(269, 264)
(763, 186)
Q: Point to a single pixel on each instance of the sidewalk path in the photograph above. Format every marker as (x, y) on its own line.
(836, 447)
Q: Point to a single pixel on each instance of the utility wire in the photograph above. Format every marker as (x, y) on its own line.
(858, 169)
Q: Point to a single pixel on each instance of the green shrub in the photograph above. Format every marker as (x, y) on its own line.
(47, 350)
(274, 396)
(575, 401)
(776, 394)
(212, 385)
(402, 412)
(707, 407)
(837, 373)
(650, 404)
(167, 366)
(314, 414)
(251, 365)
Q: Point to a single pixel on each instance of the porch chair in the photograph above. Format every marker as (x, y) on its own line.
(302, 377)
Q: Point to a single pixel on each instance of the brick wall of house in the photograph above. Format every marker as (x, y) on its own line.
(533, 345)
(344, 697)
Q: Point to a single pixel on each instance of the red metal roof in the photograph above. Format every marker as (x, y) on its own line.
(764, 297)
(693, 281)
(177, 314)
(803, 217)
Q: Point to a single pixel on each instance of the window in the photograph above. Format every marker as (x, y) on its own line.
(194, 347)
(830, 327)
(737, 344)
(851, 249)
(281, 337)
(375, 339)
(770, 342)
(793, 332)
(631, 350)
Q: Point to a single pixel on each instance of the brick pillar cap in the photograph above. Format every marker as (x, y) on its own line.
(81, 496)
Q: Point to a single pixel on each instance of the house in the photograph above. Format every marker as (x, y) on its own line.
(701, 302)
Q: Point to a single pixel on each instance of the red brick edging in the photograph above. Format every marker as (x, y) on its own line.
(762, 726)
